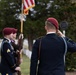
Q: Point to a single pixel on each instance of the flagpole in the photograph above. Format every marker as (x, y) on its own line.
(21, 25)
(22, 18)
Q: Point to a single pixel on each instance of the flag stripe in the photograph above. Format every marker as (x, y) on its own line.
(32, 2)
(27, 4)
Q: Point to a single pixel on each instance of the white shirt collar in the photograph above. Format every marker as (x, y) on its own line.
(8, 39)
(50, 32)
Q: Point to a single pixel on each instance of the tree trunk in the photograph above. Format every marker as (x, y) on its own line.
(30, 42)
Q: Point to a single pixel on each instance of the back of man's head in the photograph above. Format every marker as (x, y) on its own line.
(52, 23)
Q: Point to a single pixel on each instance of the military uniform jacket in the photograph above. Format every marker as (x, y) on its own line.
(51, 61)
(8, 63)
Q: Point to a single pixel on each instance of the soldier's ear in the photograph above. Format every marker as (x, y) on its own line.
(45, 27)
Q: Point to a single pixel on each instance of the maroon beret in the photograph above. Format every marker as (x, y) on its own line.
(54, 22)
(7, 31)
(14, 30)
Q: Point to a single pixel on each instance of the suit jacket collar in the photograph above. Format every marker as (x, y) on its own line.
(50, 32)
(7, 39)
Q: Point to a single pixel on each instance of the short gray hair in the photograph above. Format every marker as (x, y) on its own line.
(49, 25)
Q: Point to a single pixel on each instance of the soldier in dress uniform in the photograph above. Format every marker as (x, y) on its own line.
(17, 48)
(17, 45)
(8, 62)
(50, 50)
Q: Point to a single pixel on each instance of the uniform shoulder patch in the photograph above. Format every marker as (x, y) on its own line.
(5, 41)
(8, 50)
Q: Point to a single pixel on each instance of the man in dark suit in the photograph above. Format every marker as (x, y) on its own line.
(50, 50)
(8, 62)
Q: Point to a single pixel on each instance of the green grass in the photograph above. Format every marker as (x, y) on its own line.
(25, 66)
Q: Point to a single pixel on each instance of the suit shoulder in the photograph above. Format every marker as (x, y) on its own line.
(39, 37)
(60, 37)
(5, 43)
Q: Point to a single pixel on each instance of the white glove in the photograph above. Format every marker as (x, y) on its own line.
(60, 33)
(18, 69)
(21, 36)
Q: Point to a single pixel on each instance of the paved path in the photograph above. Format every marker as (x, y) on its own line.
(71, 73)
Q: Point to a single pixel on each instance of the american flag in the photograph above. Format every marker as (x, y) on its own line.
(27, 4)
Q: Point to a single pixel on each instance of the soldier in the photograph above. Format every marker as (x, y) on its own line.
(8, 62)
(50, 50)
(17, 49)
(14, 44)
(17, 45)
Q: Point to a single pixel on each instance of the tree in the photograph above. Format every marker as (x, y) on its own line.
(35, 21)
(67, 12)
(9, 10)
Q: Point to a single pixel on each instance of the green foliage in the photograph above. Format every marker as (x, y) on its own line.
(35, 21)
(70, 61)
(67, 12)
(9, 9)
